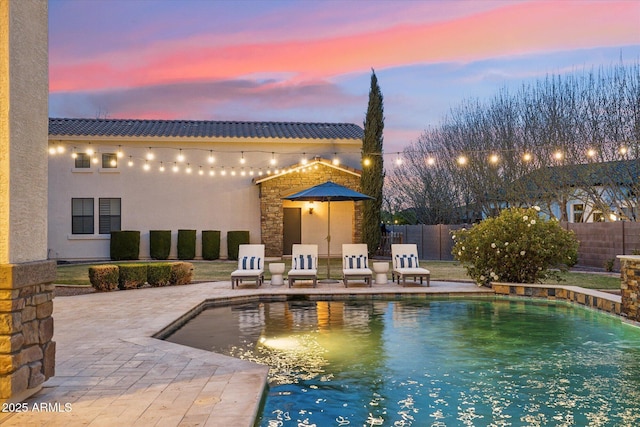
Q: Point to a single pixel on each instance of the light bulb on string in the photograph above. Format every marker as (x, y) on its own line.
(89, 151)
(175, 168)
(242, 159)
(146, 166)
(242, 172)
(366, 161)
(623, 150)
(113, 163)
(494, 159)
(200, 171)
(60, 149)
(251, 172)
(130, 162)
(94, 159)
(74, 155)
(304, 160)
(180, 157)
(273, 159)
(233, 172)
(260, 172)
(52, 150)
(462, 160)
(591, 153)
(558, 155)
(527, 157)
(211, 159)
(188, 169)
(150, 155)
(212, 172)
(119, 153)
(336, 160)
(398, 160)
(223, 172)
(431, 161)
(161, 167)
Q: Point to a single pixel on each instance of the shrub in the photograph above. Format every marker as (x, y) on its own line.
(234, 240)
(132, 275)
(159, 274)
(181, 273)
(125, 245)
(159, 244)
(518, 246)
(186, 244)
(104, 277)
(211, 244)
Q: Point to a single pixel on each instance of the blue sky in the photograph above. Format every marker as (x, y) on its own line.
(311, 60)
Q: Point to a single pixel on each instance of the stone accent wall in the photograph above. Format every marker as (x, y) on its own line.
(273, 190)
(27, 352)
(630, 272)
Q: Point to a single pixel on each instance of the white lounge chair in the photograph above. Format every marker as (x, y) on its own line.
(406, 263)
(355, 263)
(250, 265)
(304, 264)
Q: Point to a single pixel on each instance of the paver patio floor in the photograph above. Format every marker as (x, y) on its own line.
(111, 372)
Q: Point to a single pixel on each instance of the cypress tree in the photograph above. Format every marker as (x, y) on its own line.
(372, 177)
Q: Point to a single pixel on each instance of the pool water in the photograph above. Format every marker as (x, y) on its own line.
(475, 362)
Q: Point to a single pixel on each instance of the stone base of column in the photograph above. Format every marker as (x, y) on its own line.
(630, 287)
(27, 351)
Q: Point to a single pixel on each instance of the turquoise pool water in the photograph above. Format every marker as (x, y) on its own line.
(432, 363)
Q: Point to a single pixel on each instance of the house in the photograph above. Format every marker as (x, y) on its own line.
(119, 174)
(589, 192)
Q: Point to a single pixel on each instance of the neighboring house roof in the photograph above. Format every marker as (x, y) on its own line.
(201, 129)
(622, 172)
(311, 164)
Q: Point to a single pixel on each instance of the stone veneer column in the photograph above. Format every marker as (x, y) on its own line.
(630, 272)
(27, 352)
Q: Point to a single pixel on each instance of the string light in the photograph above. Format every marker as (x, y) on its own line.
(89, 151)
(130, 162)
(200, 171)
(150, 155)
(623, 150)
(336, 160)
(175, 167)
(273, 159)
(223, 172)
(113, 163)
(233, 172)
(398, 160)
(242, 159)
(146, 166)
(94, 160)
(161, 167)
(180, 157)
(558, 155)
(304, 159)
(211, 159)
(431, 161)
(462, 160)
(527, 157)
(119, 153)
(188, 169)
(591, 152)
(74, 155)
(366, 161)
(494, 158)
(52, 150)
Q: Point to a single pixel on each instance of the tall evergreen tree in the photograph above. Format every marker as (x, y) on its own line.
(372, 177)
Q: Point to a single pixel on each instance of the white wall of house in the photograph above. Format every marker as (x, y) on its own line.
(154, 200)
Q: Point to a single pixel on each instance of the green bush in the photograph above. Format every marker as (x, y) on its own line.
(518, 246)
(125, 245)
(132, 275)
(181, 273)
(104, 277)
(159, 274)
(159, 244)
(211, 244)
(234, 240)
(186, 244)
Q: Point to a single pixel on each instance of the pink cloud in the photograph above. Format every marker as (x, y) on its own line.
(514, 29)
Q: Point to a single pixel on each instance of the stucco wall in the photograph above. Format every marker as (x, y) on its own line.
(23, 131)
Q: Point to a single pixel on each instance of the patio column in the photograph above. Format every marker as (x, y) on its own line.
(27, 352)
(630, 274)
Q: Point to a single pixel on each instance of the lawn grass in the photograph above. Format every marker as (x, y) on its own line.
(78, 274)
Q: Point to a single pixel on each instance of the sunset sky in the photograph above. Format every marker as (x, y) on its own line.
(311, 61)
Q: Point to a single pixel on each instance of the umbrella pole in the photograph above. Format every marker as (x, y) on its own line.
(329, 240)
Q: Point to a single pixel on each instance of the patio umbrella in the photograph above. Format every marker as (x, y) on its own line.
(328, 192)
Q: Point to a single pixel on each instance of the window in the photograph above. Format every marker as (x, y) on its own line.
(109, 160)
(82, 216)
(109, 215)
(598, 216)
(578, 212)
(83, 161)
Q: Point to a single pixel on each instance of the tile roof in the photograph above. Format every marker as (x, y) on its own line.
(201, 129)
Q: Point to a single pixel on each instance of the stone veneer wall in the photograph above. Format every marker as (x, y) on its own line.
(27, 352)
(630, 272)
(272, 191)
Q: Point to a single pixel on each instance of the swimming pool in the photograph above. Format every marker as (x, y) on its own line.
(434, 362)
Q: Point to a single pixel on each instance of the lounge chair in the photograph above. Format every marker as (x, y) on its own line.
(406, 263)
(304, 264)
(355, 263)
(250, 265)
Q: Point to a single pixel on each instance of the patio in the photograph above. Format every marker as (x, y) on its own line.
(109, 371)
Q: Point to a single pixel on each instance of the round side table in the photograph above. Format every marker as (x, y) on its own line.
(381, 269)
(277, 270)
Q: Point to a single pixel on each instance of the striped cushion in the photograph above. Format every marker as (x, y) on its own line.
(355, 261)
(303, 262)
(250, 263)
(407, 261)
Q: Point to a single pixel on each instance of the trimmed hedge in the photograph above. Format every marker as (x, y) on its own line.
(159, 274)
(159, 244)
(234, 240)
(181, 273)
(186, 244)
(124, 245)
(211, 244)
(132, 275)
(104, 277)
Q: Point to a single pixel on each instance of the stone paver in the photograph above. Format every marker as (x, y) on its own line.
(110, 371)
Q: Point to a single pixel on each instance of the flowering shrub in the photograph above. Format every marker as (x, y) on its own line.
(517, 246)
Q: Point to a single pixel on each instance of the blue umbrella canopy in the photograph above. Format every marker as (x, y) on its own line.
(327, 192)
